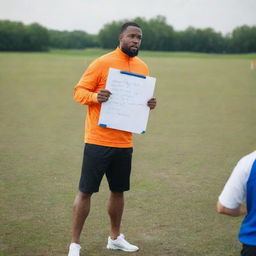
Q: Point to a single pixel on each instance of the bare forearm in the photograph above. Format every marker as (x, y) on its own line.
(232, 212)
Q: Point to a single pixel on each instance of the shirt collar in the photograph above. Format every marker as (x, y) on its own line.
(122, 54)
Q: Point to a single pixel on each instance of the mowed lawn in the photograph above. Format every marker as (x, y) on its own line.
(204, 123)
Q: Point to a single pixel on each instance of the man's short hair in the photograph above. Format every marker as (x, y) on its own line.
(127, 24)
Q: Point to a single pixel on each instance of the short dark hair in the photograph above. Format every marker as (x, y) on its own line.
(127, 24)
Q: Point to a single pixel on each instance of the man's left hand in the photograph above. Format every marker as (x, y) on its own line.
(152, 103)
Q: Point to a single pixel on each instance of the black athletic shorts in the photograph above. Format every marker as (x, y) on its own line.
(248, 250)
(100, 160)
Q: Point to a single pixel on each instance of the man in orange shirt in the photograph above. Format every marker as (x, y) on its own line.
(107, 151)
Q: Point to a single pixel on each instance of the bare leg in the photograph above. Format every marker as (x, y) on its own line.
(115, 211)
(81, 210)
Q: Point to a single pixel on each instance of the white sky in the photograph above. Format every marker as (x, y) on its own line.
(90, 15)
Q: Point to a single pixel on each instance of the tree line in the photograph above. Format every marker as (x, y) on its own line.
(157, 36)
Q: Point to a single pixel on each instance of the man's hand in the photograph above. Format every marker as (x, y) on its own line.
(103, 95)
(152, 103)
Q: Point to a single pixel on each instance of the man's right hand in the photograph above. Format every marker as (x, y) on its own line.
(103, 95)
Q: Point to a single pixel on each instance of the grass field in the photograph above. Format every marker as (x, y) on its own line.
(205, 121)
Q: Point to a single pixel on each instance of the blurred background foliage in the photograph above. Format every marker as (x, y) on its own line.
(157, 36)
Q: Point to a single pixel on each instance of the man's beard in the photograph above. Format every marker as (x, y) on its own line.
(129, 52)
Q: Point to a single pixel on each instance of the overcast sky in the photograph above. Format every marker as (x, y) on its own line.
(90, 15)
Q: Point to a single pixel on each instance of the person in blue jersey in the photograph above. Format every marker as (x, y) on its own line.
(240, 187)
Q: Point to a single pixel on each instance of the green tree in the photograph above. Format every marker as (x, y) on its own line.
(72, 40)
(162, 34)
(12, 35)
(157, 34)
(243, 39)
(36, 38)
(108, 35)
(15, 36)
(201, 40)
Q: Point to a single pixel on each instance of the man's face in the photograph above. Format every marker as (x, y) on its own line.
(130, 40)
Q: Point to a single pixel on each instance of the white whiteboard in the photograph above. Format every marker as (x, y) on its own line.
(127, 108)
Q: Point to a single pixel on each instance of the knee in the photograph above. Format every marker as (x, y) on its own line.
(81, 199)
(117, 194)
(83, 196)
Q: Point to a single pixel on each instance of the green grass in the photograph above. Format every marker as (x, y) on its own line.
(205, 121)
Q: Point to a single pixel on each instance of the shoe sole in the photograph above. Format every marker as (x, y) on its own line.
(121, 249)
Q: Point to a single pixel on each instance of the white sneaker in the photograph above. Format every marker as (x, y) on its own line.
(74, 249)
(121, 244)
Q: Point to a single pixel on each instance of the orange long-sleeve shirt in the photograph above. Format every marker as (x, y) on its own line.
(85, 92)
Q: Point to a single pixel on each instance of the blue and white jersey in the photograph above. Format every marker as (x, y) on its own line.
(241, 186)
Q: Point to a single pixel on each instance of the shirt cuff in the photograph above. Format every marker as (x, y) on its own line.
(228, 204)
(94, 98)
